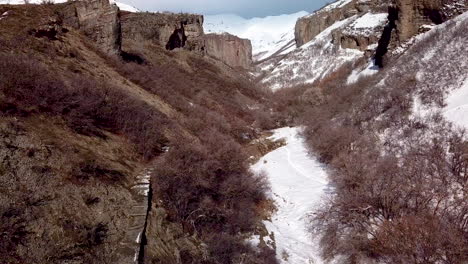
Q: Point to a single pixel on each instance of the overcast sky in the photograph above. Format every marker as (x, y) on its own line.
(245, 8)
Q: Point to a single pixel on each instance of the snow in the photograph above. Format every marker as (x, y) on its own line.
(457, 105)
(369, 69)
(125, 7)
(122, 6)
(312, 61)
(337, 4)
(370, 20)
(440, 64)
(269, 35)
(297, 182)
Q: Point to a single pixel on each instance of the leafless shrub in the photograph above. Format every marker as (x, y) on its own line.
(88, 106)
(211, 191)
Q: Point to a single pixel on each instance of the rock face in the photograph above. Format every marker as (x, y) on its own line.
(310, 26)
(185, 31)
(230, 49)
(378, 23)
(98, 19)
(168, 30)
(412, 14)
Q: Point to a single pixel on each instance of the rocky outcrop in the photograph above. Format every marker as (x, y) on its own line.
(310, 26)
(166, 29)
(232, 50)
(174, 31)
(98, 19)
(412, 14)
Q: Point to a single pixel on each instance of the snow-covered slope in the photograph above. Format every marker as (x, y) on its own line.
(312, 61)
(122, 6)
(439, 65)
(298, 182)
(327, 51)
(268, 35)
(456, 110)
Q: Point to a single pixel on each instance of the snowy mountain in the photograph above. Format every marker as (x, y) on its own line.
(122, 6)
(268, 35)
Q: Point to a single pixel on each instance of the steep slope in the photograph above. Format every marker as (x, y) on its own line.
(396, 164)
(380, 92)
(81, 129)
(341, 33)
(368, 33)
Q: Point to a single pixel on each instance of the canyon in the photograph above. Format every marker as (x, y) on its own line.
(173, 138)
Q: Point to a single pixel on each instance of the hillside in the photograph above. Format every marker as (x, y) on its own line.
(386, 118)
(359, 33)
(136, 137)
(114, 149)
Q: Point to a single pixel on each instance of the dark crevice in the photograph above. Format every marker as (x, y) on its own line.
(51, 33)
(132, 57)
(386, 37)
(144, 238)
(178, 38)
(436, 16)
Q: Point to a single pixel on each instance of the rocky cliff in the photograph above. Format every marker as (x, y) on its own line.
(370, 33)
(174, 31)
(412, 14)
(230, 49)
(166, 29)
(356, 36)
(98, 19)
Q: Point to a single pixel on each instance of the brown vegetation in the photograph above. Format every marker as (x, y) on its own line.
(400, 179)
(203, 180)
(88, 106)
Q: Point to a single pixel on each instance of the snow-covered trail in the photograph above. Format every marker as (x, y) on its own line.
(298, 183)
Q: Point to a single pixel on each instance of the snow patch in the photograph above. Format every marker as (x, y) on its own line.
(125, 7)
(370, 20)
(298, 183)
(456, 110)
(369, 69)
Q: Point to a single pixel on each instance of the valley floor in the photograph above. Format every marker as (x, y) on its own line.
(298, 183)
